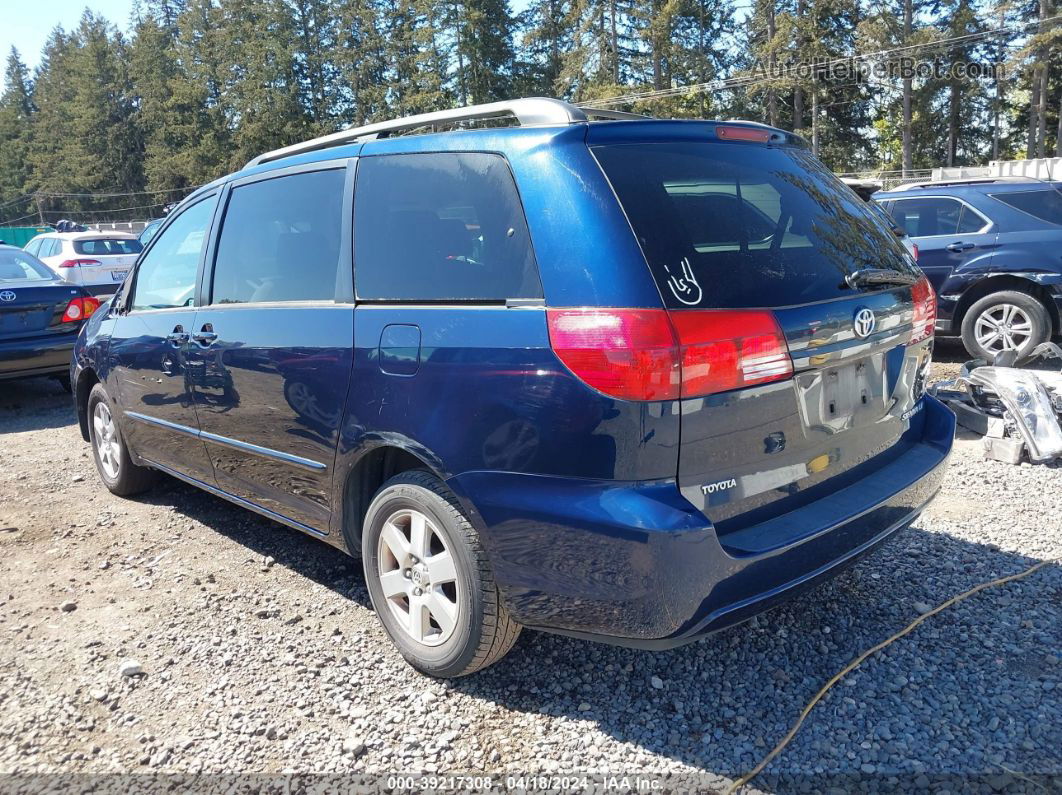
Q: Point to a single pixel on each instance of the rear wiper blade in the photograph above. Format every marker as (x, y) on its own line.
(867, 276)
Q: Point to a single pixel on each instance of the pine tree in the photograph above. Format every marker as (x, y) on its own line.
(361, 62)
(16, 118)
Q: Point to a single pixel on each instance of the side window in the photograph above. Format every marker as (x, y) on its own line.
(34, 246)
(441, 227)
(926, 217)
(1043, 204)
(970, 221)
(280, 240)
(165, 276)
(56, 247)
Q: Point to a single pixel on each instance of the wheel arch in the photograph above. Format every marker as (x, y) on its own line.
(86, 379)
(1005, 281)
(374, 467)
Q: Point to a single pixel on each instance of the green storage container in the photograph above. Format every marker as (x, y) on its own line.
(21, 235)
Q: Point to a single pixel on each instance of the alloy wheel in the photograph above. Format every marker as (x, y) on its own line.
(108, 448)
(1003, 327)
(418, 577)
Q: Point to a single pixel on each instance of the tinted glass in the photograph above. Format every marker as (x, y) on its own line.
(165, 276)
(149, 232)
(735, 225)
(970, 221)
(1043, 204)
(110, 246)
(280, 240)
(18, 265)
(926, 217)
(438, 227)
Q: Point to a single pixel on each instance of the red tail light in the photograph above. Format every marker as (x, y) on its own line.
(652, 354)
(925, 310)
(80, 309)
(730, 349)
(914, 251)
(77, 263)
(626, 353)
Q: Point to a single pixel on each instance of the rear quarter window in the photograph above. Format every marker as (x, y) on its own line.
(731, 225)
(1043, 204)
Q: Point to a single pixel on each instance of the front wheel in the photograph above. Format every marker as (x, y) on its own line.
(429, 579)
(117, 470)
(1005, 321)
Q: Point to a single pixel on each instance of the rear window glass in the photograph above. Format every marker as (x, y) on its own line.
(1043, 204)
(736, 226)
(441, 227)
(17, 266)
(102, 248)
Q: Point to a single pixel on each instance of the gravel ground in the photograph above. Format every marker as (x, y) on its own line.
(253, 649)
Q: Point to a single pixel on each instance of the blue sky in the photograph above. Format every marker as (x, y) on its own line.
(26, 25)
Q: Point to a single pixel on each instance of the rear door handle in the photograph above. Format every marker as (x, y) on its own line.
(205, 336)
(959, 246)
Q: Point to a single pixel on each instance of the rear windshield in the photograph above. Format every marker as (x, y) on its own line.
(1044, 204)
(734, 225)
(106, 246)
(18, 266)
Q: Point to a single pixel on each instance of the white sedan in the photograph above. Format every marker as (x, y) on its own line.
(97, 261)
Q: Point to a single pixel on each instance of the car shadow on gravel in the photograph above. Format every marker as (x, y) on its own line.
(969, 693)
(34, 404)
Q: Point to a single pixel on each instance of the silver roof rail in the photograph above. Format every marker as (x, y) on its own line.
(529, 112)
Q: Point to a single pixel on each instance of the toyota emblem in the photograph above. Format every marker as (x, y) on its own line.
(864, 322)
(7, 295)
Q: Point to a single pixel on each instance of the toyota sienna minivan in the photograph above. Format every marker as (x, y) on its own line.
(626, 379)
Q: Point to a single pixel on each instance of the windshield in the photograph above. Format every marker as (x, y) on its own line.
(21, 266)
(730, 225)
(104, 247)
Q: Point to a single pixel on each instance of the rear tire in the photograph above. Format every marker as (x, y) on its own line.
(1007, 320)
(429, 579)
(117, 470)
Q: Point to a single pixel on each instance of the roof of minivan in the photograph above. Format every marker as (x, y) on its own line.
(510, 141)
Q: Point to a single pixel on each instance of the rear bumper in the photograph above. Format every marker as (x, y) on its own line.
(636, 564)
(45, 356)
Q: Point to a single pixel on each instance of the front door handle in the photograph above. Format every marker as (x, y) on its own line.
(205, 336)
(178, 336)
(957, 247)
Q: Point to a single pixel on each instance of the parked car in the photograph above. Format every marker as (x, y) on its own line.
(97, 261)
(865, 189)
(631, 380)
(990, 248)
(40, 317)
(149, 231)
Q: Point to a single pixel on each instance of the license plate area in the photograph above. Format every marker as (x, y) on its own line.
(844, 396)
(118, 275)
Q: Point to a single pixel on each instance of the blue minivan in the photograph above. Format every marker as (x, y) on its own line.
(627, 379)
(990, 247)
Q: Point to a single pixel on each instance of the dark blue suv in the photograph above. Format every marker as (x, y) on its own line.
(626, 379)
(992, 249)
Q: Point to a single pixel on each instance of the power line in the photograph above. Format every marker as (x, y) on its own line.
(752, 80)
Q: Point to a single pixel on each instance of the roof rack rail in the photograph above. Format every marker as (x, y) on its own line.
(943, 183)
(528, 112)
